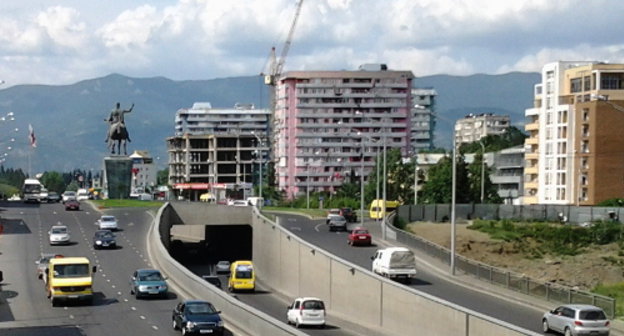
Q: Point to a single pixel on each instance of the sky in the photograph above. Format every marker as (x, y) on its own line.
(58, 42)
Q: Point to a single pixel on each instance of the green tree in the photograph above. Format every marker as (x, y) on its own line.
(438, 188)
(53, 181)
(162, 177)
(474, 180)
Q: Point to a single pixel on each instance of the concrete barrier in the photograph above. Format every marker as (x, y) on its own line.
(295, 268)
(245, 320)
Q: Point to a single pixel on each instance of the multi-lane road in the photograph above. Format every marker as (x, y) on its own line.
(115, 311)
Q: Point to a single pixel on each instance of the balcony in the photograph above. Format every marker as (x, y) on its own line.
(531, 156)
(531, 127)
(531, 141)
(530, 170)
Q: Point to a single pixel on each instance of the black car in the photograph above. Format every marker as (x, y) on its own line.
(53, 197)
(104, 239)
(197, 317)
(349, 215)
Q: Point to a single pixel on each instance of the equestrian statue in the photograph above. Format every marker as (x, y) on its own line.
(117, 131)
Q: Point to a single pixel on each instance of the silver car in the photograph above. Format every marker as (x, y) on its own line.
(576, 319)
(59, 235)
(107, 222)
(336, 222)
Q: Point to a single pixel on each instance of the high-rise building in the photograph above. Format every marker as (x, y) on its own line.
(423, 118)
(473, 127)
(217, 151)
(143, 172)
(574, 150)
(330, 125)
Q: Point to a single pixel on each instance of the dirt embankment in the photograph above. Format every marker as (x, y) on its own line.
(599, 264)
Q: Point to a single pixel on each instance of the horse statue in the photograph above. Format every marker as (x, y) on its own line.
(117, 131)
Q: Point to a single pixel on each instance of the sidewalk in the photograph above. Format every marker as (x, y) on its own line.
(443, 270)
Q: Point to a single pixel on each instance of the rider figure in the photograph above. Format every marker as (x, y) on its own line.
(116, 122)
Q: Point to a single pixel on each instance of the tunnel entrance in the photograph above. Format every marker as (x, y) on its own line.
(221, 242)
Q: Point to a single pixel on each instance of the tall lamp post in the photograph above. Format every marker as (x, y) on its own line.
(308, 185)
(416, 178)
(482, 171)
(453, 188)
(260, 143)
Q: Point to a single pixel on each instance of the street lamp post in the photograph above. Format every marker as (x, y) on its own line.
(308, 185)
(416, 178)
(362, 182)
(453, 188)
(260, 143)
(482, 171)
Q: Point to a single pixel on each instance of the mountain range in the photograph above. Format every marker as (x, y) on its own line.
(69, 120)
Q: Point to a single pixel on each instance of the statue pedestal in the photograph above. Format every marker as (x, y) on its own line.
(118, 176)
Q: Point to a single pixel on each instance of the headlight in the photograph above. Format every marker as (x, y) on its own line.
(98, 242)
(190, 325)
(220, 323)
(142, 288)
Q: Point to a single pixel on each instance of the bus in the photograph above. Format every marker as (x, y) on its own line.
(31, 191)
(376, 208)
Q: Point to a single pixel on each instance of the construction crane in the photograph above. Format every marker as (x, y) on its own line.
(276, 66)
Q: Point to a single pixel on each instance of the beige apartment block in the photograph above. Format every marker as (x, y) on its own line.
(575, 149)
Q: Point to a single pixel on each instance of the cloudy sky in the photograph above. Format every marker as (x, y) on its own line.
(65, 41)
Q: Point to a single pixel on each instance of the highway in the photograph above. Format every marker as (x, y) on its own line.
(317, 233)
(115, 311)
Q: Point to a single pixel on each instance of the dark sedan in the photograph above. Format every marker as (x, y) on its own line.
(197, 317)
(104, 239)
(72, 205)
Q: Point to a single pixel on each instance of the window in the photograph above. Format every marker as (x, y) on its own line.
(584, 163)
(561, 178)
(575, 85)
(562, 117)
(560, 194)
(585, 114)
(611, 82)
(586, 83)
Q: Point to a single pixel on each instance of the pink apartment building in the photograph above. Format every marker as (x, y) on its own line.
(329, 125)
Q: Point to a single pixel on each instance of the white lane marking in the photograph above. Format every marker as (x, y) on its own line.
(316, 227)
(133, 308)
(142, 317)
(155, 327)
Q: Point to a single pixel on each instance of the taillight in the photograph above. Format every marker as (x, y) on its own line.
(578, 323)
(301, 311)
(607, 324)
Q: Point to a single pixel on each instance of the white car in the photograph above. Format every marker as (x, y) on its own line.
(240, 203)
(576, 319)
(59, 235)
(107, 222)
(67, 196)
(306, 311)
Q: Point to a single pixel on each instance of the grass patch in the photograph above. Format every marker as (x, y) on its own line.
(615, 291)
(126, 203)
(318, 213)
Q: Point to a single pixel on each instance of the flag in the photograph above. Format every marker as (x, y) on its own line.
(31, 136)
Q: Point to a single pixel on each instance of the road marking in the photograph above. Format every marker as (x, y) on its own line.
(142, 317)
(155, 327)
(133, 308)
(316, 227)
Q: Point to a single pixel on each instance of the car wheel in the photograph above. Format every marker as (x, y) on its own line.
(567, 332)
(184, 332)
(545, 327)
(175, 325)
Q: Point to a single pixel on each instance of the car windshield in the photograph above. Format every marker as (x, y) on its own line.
(244, 272)
(313, 304)
(151, 276)
(71, 271)
(104, 234)
(108, 219)
(592, 315)
(360, 231)
(59, 230)
(200, 308)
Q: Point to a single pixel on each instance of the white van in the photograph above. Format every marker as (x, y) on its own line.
(395, 263)
(82, 195)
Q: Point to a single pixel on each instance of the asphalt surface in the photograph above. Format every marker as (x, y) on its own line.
(25, 310)
(427, 280)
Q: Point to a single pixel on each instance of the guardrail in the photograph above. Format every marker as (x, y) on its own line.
(504, 278)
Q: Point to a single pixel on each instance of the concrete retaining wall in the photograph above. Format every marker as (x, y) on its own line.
(295, 268)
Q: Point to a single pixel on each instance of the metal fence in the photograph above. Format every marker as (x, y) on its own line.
(510, 280)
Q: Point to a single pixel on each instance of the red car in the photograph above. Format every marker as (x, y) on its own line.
(72, 205)
(359, 236)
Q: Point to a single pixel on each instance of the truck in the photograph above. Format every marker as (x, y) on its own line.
(31, 190)
(394, 263)
(69, 278)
